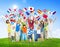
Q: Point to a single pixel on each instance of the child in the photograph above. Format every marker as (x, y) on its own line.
(35, 29)
(42, 29)
(38, 33)
(30, 32)
(31, 26)
(46, 28)
(24, 32)
(13, 32)
(9, 28)
(17, 31)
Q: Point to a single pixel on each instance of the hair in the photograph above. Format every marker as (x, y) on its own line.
(7, 21)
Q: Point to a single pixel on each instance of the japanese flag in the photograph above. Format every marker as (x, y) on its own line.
(31, 8)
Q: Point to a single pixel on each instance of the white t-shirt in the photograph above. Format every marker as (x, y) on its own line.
(38, 32)
(13, 29)
(35, 26)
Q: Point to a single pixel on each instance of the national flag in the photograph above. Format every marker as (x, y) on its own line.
(24, 9)
(39, 12)
(31, 8)
(6, 16)
(45, 16)
(27, 13)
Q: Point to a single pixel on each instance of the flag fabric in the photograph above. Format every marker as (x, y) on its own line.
(24, 9)
(31, 9)
(45, 16)
(14, 10)
(54, 12)
(6, 16)
(38, 17)
(27, 13)
(10, 9)
(44, 10)
(39, 12)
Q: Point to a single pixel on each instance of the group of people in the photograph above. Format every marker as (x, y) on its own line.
(29, 29)
(26, 24)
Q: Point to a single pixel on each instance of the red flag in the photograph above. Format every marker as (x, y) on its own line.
(14, 9)
(45, 16)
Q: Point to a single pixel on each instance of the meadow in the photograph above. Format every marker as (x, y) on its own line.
(5, 42)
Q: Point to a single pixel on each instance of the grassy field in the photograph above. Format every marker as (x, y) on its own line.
(46, 43)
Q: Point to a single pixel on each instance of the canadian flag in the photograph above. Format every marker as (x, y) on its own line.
(31, 8)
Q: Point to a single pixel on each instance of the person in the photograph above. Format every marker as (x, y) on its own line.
(50, 26)
(17, 31)
(30, 32)
(24, 32)
(46, 28)
(38, 33)
(8, 28)
(41, 24)
(13, 31)
(35, 30)
(31, 27)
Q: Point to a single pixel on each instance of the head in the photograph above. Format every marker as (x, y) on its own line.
(36, 21)
(41, 21)
(38, 28)
(50, 20)
(31, 21)
(7, 21)
(24, 26)
(46, 20)
(17, 22)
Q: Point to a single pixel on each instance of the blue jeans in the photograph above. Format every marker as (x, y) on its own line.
(20, 34)
(35, 35)
(24, 36)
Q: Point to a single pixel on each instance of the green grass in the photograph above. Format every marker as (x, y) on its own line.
(46, 43)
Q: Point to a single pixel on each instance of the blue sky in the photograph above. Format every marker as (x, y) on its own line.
(53, 5)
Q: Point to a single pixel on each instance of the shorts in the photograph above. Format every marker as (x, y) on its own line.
(38, 36)
(42, 29)
(30, 36)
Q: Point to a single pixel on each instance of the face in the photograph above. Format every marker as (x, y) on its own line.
(46, 20)
(42, 22)
(36, 22)
(7, 21)
(31, 21)
(24, 26)
(17, 22)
